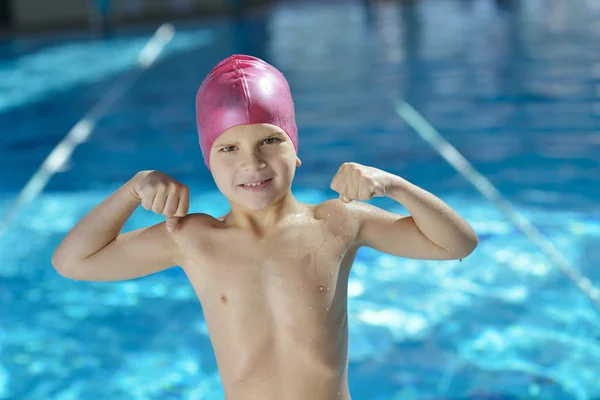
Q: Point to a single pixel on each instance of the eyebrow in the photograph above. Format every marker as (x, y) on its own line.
(269, 135)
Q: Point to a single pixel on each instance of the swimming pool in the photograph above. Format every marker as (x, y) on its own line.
(516, 91)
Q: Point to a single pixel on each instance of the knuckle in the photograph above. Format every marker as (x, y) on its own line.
(172, 186)
(184, 189)
(149, 188)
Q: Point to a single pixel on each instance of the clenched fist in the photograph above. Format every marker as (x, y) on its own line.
(163, 195)
(359, 182)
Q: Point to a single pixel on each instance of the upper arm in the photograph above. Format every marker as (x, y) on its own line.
(395, 234)
(130, 255)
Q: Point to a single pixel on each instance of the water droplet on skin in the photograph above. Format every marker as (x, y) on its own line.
(330, 273)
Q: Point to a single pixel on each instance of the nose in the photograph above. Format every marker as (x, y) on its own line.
(253, 161)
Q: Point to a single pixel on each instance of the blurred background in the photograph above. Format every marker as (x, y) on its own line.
(93, 91)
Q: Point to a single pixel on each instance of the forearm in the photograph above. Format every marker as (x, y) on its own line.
(99, 227)
(434, 218)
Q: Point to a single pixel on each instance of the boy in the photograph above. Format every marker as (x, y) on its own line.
(272, 274)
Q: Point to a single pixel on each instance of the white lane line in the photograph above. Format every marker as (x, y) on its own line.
(59, 156)
(487, 189)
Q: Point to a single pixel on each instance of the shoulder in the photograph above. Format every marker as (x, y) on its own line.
(355, 214)
(198, 219)
(341, 218)
(192, 235)
(337, 209)
(195, 226)
(333, 208)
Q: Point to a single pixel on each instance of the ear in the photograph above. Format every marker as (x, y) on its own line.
(298, 162)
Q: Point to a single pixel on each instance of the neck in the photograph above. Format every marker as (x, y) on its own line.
(260, 222)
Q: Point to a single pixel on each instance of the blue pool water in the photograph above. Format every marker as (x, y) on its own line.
(516, 90)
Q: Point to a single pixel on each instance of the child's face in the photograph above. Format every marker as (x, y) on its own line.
(253, 165)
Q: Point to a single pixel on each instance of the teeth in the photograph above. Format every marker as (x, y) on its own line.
(255, 184)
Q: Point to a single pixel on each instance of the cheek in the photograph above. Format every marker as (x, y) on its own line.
(222, 175)
(287, 168)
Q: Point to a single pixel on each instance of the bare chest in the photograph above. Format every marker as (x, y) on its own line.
(298, 268)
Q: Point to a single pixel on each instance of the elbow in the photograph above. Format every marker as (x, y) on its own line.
(57, 262)
(59, 267)
(469, 249)
(62, 266)
(468, 246)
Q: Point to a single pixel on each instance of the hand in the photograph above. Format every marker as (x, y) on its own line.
(163, 195)
(358, 182)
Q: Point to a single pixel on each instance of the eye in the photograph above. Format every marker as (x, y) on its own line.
(270, 140)
(227, 149)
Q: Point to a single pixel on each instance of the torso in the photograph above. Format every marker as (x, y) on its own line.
(276, 308)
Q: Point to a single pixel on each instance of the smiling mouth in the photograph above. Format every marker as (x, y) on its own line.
(256, 184)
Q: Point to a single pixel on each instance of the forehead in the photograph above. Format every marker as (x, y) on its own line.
(250, 131)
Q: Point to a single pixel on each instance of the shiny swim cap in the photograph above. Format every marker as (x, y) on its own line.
(243, 90)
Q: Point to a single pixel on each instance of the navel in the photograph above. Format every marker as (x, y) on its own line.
(223, 299)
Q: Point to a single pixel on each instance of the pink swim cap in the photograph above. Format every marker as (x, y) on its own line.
(243, 90)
